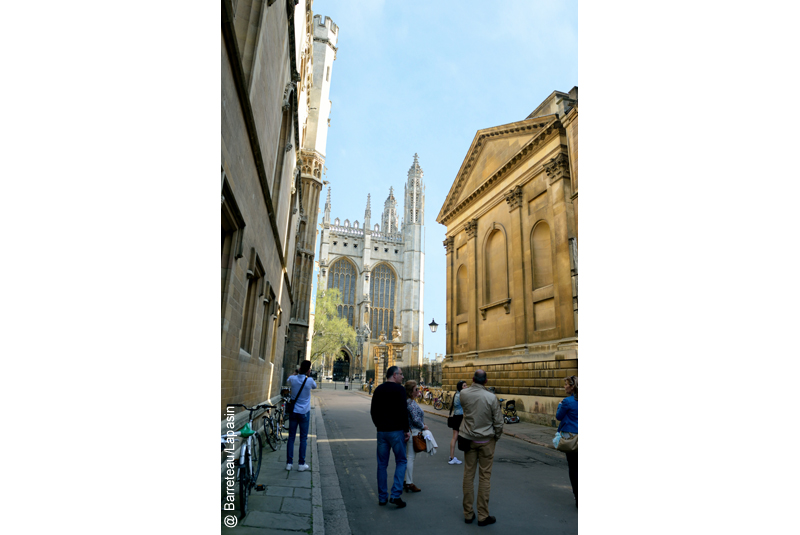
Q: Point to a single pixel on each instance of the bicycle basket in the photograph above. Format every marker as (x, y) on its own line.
(510, 406)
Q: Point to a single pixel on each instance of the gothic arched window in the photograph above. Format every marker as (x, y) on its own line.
(343, 275)
(382, 286)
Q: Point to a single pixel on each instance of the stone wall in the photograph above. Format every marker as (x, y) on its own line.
(536, 387)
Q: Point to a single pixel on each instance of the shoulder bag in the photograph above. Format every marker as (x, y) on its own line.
(568, 441)
(291, 403)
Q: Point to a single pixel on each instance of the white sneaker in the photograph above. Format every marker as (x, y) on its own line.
(289, 466)
(302, 468)
(454, 460)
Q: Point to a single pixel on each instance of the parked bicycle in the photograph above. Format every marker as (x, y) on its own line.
(441, 400)
(273, 430)
(249, 456)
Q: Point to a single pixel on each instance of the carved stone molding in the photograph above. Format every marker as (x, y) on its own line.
(311, 164)
(449, 244)
(287, 95)
(506, 303)
(557, 168)
(514, 198)
(471, 228)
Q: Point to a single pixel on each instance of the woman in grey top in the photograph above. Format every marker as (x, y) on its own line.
(459, 413)
(416, 423)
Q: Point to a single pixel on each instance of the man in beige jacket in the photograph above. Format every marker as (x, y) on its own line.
(483, 425)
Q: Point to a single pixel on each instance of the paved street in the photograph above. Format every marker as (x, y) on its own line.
(530, 484)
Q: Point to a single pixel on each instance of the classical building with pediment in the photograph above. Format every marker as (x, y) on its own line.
(379, 271)
(512, 259)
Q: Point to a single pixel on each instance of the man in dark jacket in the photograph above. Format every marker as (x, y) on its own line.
(390, 415)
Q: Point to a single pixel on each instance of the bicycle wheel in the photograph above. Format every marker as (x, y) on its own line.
(269, 434)
(256, 458)
(279, 432)
(244, 485)
(437, 404)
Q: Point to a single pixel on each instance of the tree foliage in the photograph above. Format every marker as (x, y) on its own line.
(330, 331)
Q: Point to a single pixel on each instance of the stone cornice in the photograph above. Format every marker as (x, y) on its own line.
(548, 130)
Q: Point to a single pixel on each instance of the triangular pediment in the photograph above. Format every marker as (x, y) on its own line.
(494, 154)
(491, 150)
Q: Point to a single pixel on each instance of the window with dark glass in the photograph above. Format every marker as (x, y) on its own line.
(342, 275)
(382, 289)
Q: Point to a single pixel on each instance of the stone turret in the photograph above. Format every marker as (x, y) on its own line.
(414, 209)
(367, 214)
(390, 222)
(327, 217)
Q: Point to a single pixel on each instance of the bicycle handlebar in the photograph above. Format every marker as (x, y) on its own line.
(245, 407)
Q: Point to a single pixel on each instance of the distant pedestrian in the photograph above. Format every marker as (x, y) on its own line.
(301, 386)
(346, 382)
(458, 415)
(568, 414)
(416, 424)
(482, 425)
(390, 416)
(370, 387)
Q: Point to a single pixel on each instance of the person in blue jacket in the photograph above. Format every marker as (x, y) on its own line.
(568, 414)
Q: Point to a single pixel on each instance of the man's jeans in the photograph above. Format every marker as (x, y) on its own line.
(294, 420)
(394, 441)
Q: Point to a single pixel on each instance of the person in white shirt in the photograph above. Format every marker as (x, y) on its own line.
(300, 386)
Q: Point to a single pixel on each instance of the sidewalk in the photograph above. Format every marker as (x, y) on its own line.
(540, 435)
(291, 502)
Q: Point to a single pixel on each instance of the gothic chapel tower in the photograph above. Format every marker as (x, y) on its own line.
(312, 160)
(411, 314)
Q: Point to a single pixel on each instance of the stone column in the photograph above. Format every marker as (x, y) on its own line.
(450, 318)
(560, 192)
(517, 293)
(471, 229)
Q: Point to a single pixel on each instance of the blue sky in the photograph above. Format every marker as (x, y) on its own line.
(423, 77)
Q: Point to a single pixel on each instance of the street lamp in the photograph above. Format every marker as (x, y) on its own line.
(433, 325)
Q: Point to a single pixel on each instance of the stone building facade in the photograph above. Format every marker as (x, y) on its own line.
(512, 259)
(270, 180)
(380, 272)
(312, 158)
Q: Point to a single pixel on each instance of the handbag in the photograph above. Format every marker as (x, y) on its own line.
(464, 444)
(568, 442)
(451, 420)
(419, 443)
(291, 403)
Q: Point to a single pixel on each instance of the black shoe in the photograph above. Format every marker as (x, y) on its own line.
(381, 503)
(469, 520)
(398, 502)
(486, 521)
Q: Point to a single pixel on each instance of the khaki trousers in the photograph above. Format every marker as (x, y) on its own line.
(479, 456)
